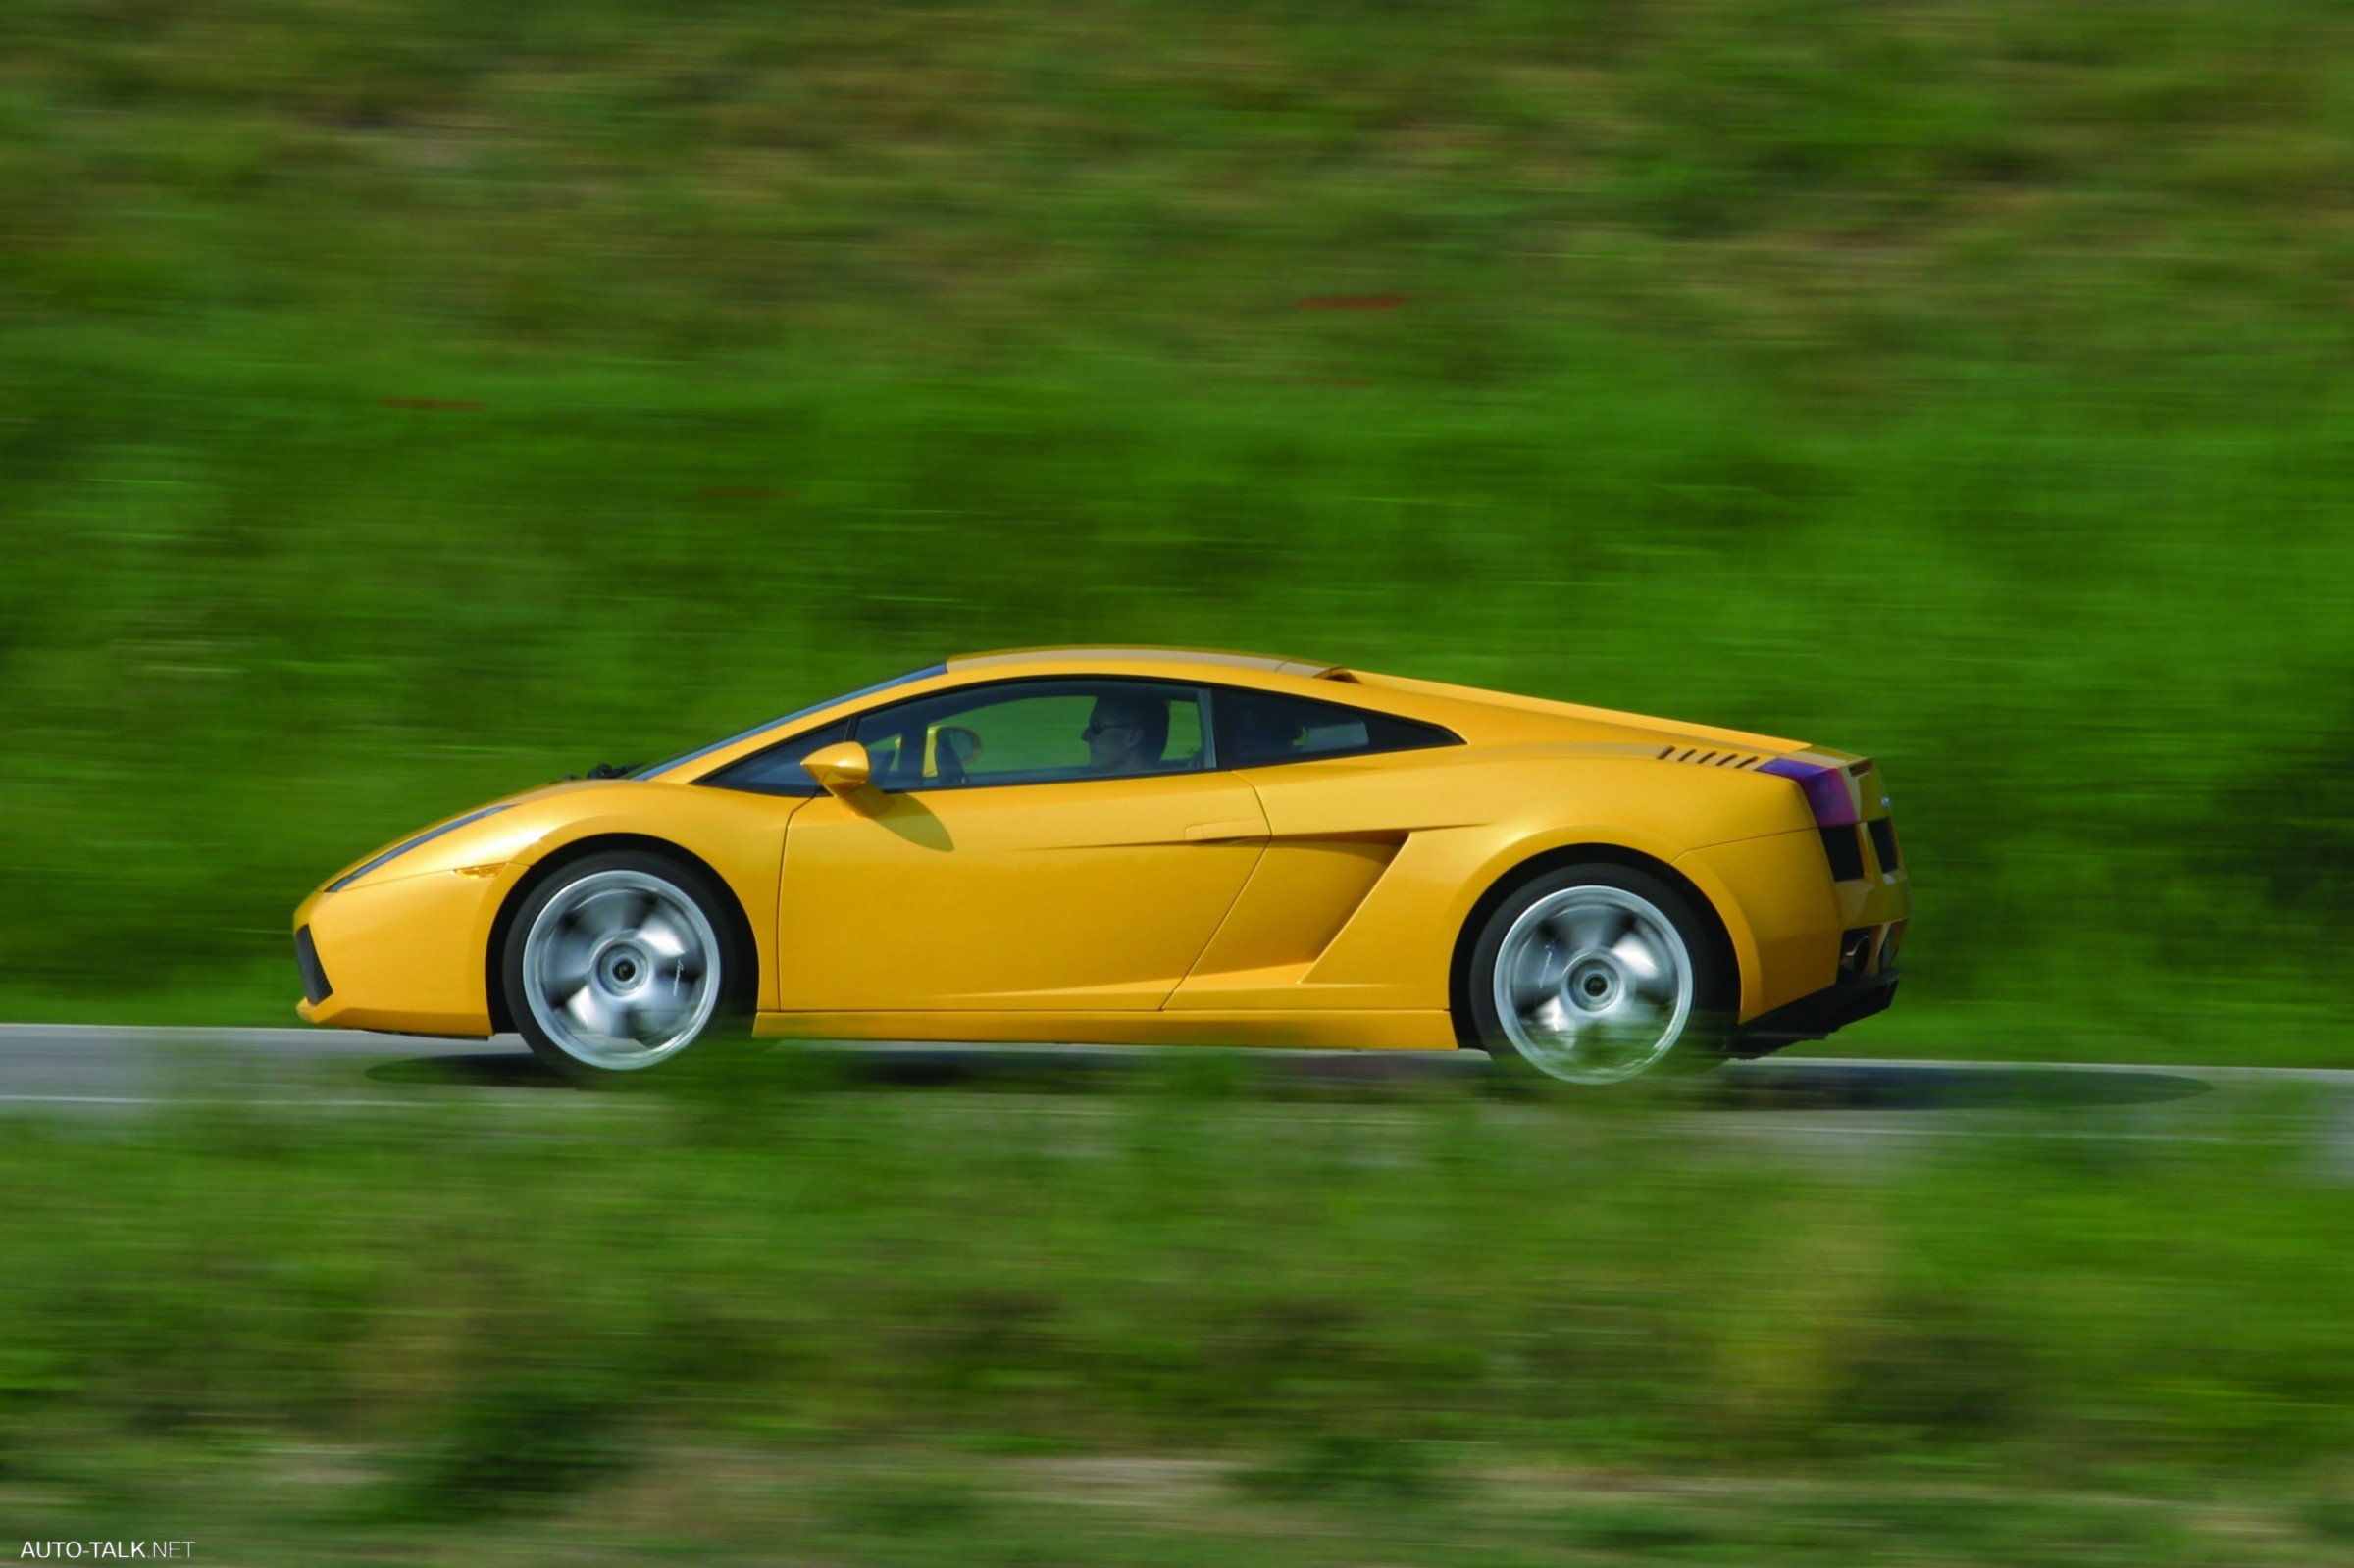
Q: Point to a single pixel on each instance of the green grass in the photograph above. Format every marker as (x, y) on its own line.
(950, 1506)
(917, 1323)
(1961, 385)
(405, 401)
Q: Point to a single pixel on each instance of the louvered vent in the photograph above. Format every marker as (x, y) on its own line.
(1709, 759)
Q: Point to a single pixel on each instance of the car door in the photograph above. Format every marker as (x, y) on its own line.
(1339, 861)
(1016, 851)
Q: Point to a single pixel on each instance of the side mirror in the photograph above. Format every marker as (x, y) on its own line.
(840, 770)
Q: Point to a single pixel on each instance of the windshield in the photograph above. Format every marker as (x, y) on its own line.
(654, 768)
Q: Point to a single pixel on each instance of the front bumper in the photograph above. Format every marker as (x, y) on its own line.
(1815, 1016)
(404, 954)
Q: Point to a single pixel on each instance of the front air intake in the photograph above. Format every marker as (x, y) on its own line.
(315, 989)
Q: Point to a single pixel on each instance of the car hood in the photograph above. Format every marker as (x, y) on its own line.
(493, 833)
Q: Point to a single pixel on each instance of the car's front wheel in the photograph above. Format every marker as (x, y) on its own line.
(1596, 974)
(621, 962)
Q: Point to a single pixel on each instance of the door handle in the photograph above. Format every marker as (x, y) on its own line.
(1219, 833)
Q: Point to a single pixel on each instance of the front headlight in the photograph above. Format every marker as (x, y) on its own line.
(407, 844)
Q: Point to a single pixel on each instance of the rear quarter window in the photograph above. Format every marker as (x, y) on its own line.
(1263, 728)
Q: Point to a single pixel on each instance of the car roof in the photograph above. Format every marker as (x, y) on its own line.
(1205, 658)
(1480, 717)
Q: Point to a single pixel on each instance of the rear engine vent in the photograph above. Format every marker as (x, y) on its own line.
(1709, 759)
(1846, 851)
(1883, 842)
(315, 989)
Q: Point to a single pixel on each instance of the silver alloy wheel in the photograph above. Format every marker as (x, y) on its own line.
(1593, 984)
(621, 969)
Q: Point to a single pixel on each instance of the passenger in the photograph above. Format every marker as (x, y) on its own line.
(1126, 734)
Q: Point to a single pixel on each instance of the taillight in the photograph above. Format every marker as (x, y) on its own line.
(1829, 794)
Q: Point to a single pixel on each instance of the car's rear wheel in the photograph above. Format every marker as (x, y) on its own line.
(1596, 974)
(621, 962)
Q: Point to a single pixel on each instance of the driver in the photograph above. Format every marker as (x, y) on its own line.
(1126, 734)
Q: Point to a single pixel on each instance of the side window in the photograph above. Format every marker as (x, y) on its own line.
(1266, 727)
(1037, 732)
(778, 771)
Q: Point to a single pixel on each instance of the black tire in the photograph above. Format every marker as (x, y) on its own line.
(1710, 988)
(688, 919)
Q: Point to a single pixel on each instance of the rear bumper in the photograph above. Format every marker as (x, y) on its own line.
(1821, 1013)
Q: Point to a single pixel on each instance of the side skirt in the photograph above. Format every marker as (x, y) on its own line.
(1416, 1031)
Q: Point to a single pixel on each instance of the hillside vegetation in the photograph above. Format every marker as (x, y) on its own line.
(406, 400)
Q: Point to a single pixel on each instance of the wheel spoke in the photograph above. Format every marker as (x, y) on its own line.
(1537, 972)
(597, 916)
(1554, 1018)
(650, 1023)
(661, 936)
(1658, 988)
(681, 952)
(594, 1012)
(635, 904)
(565, 969)
(1586, 929)
(653, 1023)
(1634, 951)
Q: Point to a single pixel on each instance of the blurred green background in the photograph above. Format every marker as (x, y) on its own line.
(403, 401)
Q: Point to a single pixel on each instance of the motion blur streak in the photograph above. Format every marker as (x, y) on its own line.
(405, 403)
(1963, 381)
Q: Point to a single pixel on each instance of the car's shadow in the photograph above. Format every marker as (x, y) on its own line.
(1748, 1087)
(1048, 1068)
(1910, 1087)
(470, 1069)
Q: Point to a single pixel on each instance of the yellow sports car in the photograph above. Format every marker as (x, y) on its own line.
(1148, 846)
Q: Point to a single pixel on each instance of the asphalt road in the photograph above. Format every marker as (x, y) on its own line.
(1836, 1102)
